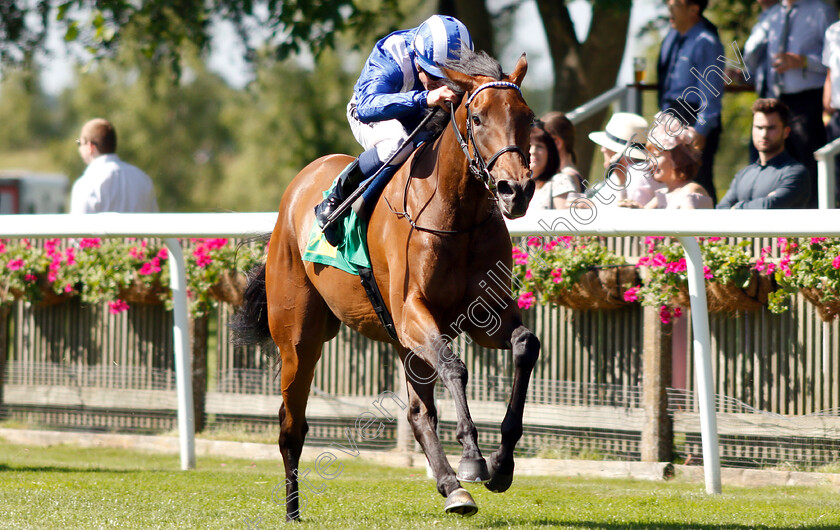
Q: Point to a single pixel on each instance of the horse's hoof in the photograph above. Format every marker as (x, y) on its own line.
(473, 470)
(500, 479)
(461, 502)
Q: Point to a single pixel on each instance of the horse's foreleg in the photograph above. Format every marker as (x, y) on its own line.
(526, 350)
(422, 415)
(453, 373)
(290, 441)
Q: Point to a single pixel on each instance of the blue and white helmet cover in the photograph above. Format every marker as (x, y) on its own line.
(440, 38)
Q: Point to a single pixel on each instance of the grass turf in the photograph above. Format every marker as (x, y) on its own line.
(71, 487)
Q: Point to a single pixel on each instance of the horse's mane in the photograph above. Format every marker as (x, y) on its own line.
(470, 63)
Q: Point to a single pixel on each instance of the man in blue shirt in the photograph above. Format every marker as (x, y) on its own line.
(776, 180)
(795, 33)
(399, 83)
(690, 82)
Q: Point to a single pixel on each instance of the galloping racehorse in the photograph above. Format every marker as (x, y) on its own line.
(438, 243)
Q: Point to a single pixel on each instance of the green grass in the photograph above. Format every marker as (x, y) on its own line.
(70, 487)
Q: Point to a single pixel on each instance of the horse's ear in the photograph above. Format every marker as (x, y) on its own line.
(462, 80)
(518, 73)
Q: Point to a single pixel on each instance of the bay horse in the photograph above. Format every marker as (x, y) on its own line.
(438, 243)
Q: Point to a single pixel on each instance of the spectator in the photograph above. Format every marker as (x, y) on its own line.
(691, 46)
(552, 186)
(777, 180)
(108, 184)
(756, 50)
(677, 164)
(563, 131)
(625, 157)
(794, 50)
(831, 90)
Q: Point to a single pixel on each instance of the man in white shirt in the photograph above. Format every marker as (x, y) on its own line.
(108, 184)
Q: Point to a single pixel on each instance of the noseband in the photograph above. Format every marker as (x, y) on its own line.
(478, 167)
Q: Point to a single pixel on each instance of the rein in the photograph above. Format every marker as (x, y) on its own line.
(477, 165)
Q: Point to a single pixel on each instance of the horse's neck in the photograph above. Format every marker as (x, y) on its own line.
(454, 191)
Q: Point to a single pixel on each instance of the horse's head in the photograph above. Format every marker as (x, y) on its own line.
(497, 121)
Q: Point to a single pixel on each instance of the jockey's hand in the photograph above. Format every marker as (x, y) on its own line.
(441, 96)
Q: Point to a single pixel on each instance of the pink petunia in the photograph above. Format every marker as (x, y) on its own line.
(117, 306)
(632, 294)
(137, 253)
(557, 275)
(70, 255)
(68, 288)
(30, 278)
(15, 264)
(836, 263)
(163, 254)
(707, 272)
(2, 246)
(535, 241)
(90, 242)
(677, 312)
(203, 260)
(817, 240)
(519, 256)
(526, 300)
(665, 314)
(529, 275)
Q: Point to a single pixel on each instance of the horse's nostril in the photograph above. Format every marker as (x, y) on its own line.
(504, 188)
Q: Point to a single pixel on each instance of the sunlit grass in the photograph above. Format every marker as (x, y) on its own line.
(69, 487)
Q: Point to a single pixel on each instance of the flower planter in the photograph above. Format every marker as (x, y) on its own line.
(230, 288)
(728, 297)
(827, 310)
(142, 293)
(599, 288)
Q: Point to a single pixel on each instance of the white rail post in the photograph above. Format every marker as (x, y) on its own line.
(703, 363)
(826, 185)
(183, 354)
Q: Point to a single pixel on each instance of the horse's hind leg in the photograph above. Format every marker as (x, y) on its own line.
(422, 415)
(300, 324)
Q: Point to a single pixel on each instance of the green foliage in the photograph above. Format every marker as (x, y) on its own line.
(112, 270)
(159, 31)
(551, 267)
(806, 263)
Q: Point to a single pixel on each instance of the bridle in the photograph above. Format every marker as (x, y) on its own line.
(477, 165)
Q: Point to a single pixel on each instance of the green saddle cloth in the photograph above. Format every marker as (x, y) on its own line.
(352, 251)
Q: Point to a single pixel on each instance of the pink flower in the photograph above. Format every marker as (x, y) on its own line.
(203, 260)
(52, 276)
(551, 244)
(707, 272)
(68, 288)
(117, 306)
(658, 260)
(525, 300)
(715, 238)
(529, 275)
(137, 253)
(771, 268)
(90, 242)
(677, 312)
(163, 254)
(30, 278)
(557, 275)
(70, 255)
(676, 266)
(50, 247)
(632, 294)
(519, 256)
(818, 240)
(2, 246)
(15, 264)
(535, 241)
(836, 263)
(665, 314)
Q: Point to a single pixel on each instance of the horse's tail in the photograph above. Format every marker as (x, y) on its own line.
(250, 323)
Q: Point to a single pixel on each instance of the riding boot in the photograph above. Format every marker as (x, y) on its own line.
(348, 181)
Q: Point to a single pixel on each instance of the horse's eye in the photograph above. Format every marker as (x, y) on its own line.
(476, 121)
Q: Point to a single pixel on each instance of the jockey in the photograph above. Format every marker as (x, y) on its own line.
(399, 82)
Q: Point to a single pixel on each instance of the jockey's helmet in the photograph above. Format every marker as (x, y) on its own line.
(440, 38)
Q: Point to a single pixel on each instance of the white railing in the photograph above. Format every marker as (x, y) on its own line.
(613, 222)
(596, 104)
(826, 179)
